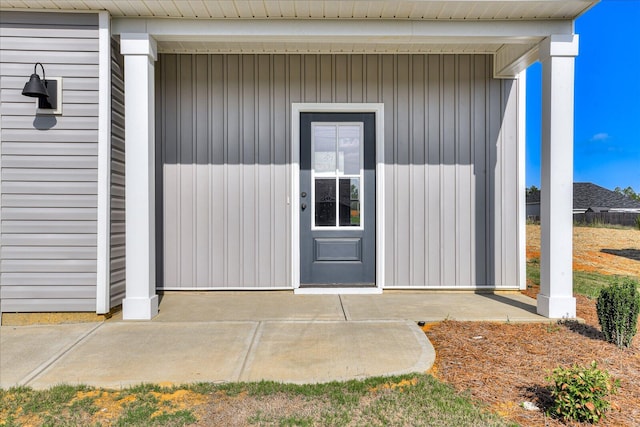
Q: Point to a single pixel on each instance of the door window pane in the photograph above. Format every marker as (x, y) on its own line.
(337, 164)
(349, 149)
(349, 202)
(325, 202)
(354, 189)
(324, 148)
(355, 214)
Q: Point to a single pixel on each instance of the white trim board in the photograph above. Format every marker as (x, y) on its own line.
(521, 81)
(296, 109)
(463, 32)
(103, 291)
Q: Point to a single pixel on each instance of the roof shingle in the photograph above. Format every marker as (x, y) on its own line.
(588, 195)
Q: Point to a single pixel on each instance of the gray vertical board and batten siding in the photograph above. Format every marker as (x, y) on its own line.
(117, 202)
(48, 164)
(224, 204)
(225, 153)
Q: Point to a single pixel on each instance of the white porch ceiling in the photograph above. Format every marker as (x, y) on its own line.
(323, 9)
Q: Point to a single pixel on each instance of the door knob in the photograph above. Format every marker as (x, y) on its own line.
(303, 206)
(303, 194)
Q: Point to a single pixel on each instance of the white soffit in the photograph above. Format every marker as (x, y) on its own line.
(321, 9)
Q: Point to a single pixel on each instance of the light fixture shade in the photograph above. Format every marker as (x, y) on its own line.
(35, 87)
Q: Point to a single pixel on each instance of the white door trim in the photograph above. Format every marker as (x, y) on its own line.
(296, 109)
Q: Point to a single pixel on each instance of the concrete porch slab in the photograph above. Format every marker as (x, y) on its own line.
(119, 354)
(303, 352)
(122, 354)
(249, 336)
(437, 306)
(27, 350)
(247, 306)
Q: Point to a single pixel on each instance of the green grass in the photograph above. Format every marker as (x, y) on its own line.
(416, 400)
(382, 401)
(65, 405)
(589, 284)
(584, 283)
(599, 224)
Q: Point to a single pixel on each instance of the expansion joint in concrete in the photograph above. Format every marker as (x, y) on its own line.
(344, 312)
(53, 359)
(248, 357)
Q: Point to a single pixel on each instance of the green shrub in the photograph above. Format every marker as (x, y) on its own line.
(638, 222)
(579, 393)
(618, 306)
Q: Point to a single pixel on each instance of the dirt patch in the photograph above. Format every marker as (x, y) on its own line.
(242, 409)
(602, 250)
(393, 386)
(110, 404)
(25, 319)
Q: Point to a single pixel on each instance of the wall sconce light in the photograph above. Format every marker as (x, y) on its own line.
(47, 92)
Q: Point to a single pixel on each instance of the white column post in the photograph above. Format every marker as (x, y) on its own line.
(557, 54)
(141, 301)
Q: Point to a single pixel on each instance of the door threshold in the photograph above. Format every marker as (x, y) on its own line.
(335, 290)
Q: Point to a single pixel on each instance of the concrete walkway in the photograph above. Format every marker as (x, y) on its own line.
(248, 336)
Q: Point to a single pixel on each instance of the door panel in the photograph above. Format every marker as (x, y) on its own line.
(337, 199)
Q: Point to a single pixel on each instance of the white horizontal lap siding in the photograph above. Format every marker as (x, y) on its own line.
(225, 154)
(117, 237)
(48, 165)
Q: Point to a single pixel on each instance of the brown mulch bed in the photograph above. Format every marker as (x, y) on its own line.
(504, 365)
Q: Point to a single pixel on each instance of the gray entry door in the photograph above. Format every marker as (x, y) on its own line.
(337, 199)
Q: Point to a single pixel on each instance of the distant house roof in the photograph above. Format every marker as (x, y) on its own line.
(588, 195)
(533, 197)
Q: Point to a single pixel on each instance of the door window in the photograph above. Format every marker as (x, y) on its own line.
(337, 169)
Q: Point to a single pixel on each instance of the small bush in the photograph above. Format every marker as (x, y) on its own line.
(618, 306)
(638, 222)
(579, 393)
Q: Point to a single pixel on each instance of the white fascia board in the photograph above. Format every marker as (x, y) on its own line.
(347, 30)
(104, 165)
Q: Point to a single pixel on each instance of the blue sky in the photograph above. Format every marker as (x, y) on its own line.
(607, 99)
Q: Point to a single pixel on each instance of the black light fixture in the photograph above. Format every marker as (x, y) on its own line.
(45, 90)
(35, 87)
